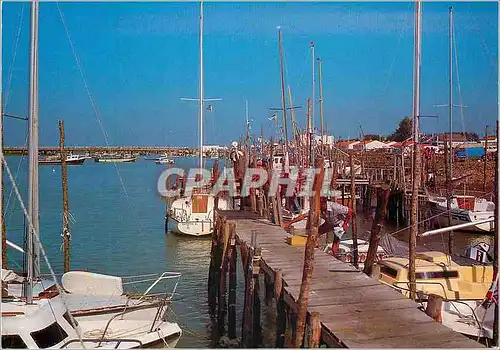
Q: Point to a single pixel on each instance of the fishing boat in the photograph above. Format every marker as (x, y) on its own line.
(463, 289)
(114, 159)
(346, 249)
(464, 209)
(194, 215)
(72, 159)
(164, 160)
(35, 312)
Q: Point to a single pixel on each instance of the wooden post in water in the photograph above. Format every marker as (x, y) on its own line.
(280, 308)
(256, 328)
(248, 336)
(231, 321)
(497, 229)
(353, 208)
(380, 214)
(309, 253)
(221, 302)
(213, 280)
(315, 325)
(485, 157)
(65, 199)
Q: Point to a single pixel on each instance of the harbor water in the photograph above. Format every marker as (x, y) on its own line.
(118, 228)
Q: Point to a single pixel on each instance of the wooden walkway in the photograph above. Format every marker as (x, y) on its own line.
(355, 311)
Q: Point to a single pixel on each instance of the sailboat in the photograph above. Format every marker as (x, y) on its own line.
(463, 208)
(463, 288)
(193, 215)
(35, 312)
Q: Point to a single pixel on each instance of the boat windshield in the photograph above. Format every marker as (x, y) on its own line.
(436, 274)
(49, 336)
(13, 341)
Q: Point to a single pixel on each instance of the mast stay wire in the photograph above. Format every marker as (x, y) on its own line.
(97, 115)
(14, 56)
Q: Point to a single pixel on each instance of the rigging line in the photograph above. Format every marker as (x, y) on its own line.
(97, 114)
(391, 67)
(458, 80)
(14, 55)
(37, 241)
(11, 192)
(483, 42)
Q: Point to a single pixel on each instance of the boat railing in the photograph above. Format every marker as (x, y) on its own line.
(160, 305)
(100, 340)
(451, 301)
(180, 214)
(156, 280)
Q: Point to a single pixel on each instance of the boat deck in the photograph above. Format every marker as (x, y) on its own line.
(356, 311)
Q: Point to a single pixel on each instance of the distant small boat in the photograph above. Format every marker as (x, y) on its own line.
(150, 158)
(55, 160)
(164, 160)
(115, 159)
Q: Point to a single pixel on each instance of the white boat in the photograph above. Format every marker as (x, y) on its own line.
(47, 324)
(464, 209)
(35, 311)
(115, 159)
(462, 288)
(193, 216)
(72, 159)
(345, 252)
(164, 160)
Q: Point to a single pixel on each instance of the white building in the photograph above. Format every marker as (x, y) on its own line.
(492, 143)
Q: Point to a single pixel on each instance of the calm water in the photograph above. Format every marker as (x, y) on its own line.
(113, 235)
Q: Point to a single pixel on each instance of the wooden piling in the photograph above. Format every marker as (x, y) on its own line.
(268, 290)
(315, 330)
(309, 253)
(434, 305)
(213, 274)
(231, 324)
(256, 327)
(65, 199)
(382, 200)
(221, 300)
(280, 309)
(485, 157)
(247, 325)
(353, 208)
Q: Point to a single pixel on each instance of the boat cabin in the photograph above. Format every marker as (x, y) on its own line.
(436, 274)
(44, 324)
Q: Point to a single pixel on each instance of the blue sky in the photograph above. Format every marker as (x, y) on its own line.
(139, 59)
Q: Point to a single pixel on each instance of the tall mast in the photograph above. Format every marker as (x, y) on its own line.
(449, 175)
(321, 103)
(283, 99)
(201, 84)
(416, 149)
(451, 92)
(2, 224)
(32, 241)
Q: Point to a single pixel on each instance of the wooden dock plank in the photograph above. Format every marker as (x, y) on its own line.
(355, 310)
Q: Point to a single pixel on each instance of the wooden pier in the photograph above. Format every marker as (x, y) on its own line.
(346, 308)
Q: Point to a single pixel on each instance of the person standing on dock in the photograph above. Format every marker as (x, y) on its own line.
(337, 218)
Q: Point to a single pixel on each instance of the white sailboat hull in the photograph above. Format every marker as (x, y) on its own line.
(193, 216)
(460, 216)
